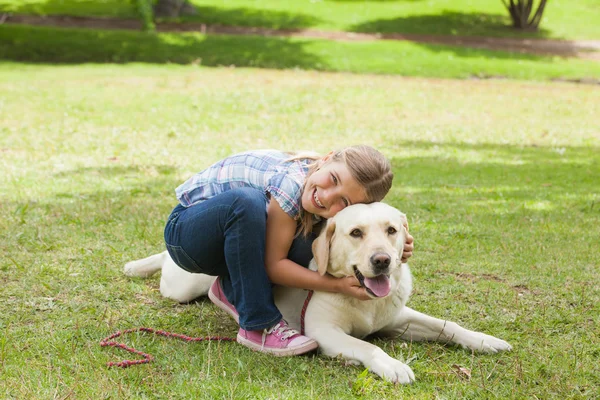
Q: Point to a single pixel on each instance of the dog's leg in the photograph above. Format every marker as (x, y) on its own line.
(412, 325)
(175, 283)
(182, 286)
(334, 342)
(146, 266)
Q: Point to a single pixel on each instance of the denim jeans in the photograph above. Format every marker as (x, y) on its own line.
(225, 236)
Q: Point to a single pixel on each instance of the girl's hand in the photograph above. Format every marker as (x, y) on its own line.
(351, 286)
(408, 247)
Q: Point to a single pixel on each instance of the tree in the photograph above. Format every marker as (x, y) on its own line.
(173, 8)
(148, 9)
(521, 11)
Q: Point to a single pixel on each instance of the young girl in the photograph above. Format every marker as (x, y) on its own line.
(249, 218)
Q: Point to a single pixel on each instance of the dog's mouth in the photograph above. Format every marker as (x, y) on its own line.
(378, 286)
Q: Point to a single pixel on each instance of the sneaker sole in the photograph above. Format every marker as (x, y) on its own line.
(223, 306)
(310, 346)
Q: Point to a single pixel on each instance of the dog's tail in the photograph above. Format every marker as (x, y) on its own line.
(146, 266)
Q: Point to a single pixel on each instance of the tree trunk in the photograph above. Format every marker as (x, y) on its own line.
(521, 10)
(173, 8)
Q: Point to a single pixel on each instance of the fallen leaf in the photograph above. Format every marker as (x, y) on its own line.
(462, 372)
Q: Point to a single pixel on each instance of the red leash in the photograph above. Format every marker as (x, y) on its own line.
(303, 312)
(107, 342)
(147, 357)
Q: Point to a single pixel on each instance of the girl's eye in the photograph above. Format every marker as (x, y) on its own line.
(335, 180)
(391, 230)
(346, 202)
(356, 233)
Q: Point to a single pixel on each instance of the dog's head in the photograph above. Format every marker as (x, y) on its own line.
(364, 240)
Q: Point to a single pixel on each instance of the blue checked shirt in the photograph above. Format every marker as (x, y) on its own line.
(266, 170)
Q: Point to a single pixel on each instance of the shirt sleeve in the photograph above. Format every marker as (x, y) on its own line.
(286, 189)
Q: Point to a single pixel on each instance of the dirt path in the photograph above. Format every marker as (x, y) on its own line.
(589, 49)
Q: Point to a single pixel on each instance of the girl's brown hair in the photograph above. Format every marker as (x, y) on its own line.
(368, 167)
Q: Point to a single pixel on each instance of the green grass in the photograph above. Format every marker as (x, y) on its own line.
(564, 19)
(499, 180)
(71, 46)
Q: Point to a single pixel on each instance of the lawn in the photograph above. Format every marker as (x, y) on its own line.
(73, 46)
(499, 180)
(53, 45)
(563, 19)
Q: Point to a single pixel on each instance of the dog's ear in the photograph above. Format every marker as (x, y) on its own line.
(320, 246)
(402, 238)
(404, 221)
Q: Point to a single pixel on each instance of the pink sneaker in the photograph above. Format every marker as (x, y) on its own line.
(216, 295)
(279, 340)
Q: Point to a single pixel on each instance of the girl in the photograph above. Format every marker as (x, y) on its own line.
(249, 219)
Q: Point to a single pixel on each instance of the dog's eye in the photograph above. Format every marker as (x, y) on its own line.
(356, 233)
(391, 230)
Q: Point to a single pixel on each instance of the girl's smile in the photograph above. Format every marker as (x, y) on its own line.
(316, 200)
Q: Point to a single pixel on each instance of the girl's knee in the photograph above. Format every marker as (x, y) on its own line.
(250, 200)
(250, 205)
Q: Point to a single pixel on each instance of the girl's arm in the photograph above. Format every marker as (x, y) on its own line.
(281, 229)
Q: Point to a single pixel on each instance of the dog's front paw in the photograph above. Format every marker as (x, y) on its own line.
(483, 343)
(392, 370)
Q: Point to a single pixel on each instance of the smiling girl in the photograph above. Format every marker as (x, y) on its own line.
(250, 219)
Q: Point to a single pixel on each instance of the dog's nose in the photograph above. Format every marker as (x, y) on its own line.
(380, 261)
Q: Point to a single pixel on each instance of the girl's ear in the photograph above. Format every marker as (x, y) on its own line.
(324, 160)
(327, 156)
(320, 247)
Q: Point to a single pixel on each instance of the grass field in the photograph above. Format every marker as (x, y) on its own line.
(563, 19)
(52, 45)
(499, 180)
(73, 46)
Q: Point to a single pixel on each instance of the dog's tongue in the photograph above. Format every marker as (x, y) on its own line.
(380, 286)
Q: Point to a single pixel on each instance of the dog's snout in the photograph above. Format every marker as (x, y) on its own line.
(380, 261)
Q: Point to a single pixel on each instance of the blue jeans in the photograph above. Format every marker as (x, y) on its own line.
(225, 236)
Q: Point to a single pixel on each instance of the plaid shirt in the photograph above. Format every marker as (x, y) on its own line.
(266, 170)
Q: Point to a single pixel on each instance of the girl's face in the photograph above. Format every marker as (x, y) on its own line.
(330, 189)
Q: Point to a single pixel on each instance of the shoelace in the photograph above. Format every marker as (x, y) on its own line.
(282, 329)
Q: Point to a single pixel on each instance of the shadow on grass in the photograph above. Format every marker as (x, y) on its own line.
(241, 16)
(448, 23)
(73, 46)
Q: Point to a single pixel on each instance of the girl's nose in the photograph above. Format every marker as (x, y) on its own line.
(336, 201)
(336, 207)
(330, 197)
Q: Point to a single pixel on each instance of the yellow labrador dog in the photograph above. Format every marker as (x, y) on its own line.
(364, 240)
